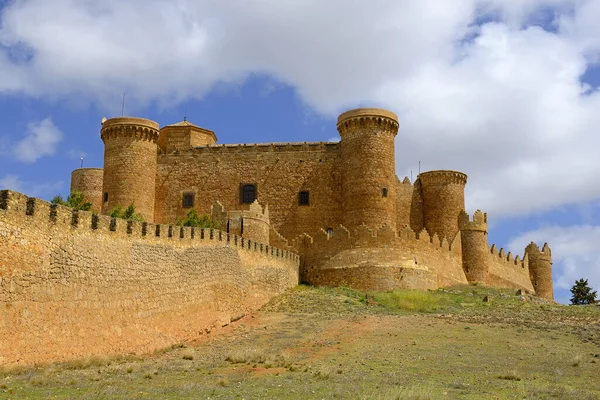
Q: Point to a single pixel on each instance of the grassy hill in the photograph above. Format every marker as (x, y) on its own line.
(322, 343)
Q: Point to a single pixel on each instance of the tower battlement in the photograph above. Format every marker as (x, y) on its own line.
(478, 223)
(139, 128)
(443, 177)
(385, 120)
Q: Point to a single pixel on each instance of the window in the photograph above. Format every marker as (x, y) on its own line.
(248, 193)
(384, 192)
(105, 197)
(188, 200)
(303, 199)
(330, 232)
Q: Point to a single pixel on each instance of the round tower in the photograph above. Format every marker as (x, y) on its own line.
(367, 167)
(540, 270)
(130, 157)
(443, 200)
(474, 244)
(89, 182)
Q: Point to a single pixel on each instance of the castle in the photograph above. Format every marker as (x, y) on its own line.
(340, 206)
(77, 283)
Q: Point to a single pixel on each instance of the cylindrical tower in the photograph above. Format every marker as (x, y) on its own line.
(368, 167)
(89, 182)
(540, 270)
(130, 157)
(475, 248)
(443, 200)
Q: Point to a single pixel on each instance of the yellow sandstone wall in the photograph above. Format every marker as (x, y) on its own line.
(280, 172)
(75, 284)
(381, 260)
(505, 270)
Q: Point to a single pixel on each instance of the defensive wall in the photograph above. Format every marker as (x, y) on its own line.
(75, 284)
(386, 259)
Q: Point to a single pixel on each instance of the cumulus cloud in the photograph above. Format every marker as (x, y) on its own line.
(45, 190)
(489, 87)
(11, 182)
(40, 140)
(575, 254)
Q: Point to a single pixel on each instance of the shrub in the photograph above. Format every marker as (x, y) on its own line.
(76, 201)
(128, 214)
(194, 220)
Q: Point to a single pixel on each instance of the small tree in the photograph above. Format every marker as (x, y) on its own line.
(128, 214)
(76, 201)
(193, 219)
(582, 293)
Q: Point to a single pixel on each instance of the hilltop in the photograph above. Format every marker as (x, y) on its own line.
(459, 342)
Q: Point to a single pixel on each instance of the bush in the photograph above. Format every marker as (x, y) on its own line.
(76, 201)
(582, 293)
(194, 220)
(128, 214)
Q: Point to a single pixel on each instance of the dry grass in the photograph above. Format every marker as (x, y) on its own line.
(333, 343)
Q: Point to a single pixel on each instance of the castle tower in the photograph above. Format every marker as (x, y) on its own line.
(540, 270)
(443, 200)
(89, 182)
(130, 157)
(475, 248)
(183, 135)
(368, 170)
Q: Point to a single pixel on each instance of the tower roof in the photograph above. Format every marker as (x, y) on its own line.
(185, 123)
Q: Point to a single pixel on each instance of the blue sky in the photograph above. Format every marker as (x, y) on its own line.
(505, 91)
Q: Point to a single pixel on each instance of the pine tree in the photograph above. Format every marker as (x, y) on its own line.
(582, 293)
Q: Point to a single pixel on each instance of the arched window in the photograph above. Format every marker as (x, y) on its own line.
(248, 193)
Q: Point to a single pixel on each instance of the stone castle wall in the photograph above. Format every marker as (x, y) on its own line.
(506, 270)
(280, 172)
(380, 260)
(73, 284)
(386, 260)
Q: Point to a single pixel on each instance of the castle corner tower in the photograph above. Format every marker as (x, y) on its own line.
(475, 248)
(368, 167)
(443, 201)
(130, 159)
(540, 270)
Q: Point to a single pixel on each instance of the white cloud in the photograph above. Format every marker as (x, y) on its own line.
(45, 190)
(575, 254)
(502, 101)
(11, 182)
(40, 140)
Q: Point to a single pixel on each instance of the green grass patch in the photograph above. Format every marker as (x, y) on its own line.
(418, 301)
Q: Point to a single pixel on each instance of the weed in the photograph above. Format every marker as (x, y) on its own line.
(223, 382)
(188, 354)
(512, 376)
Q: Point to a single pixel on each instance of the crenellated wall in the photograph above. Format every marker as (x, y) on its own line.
(380, 260)
(75, 284)
(506, 270)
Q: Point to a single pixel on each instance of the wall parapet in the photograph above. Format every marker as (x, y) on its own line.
(477, 223)
(18, 208)
(264, 148)
(364, 236)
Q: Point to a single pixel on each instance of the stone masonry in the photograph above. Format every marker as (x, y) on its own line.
(314, 191)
